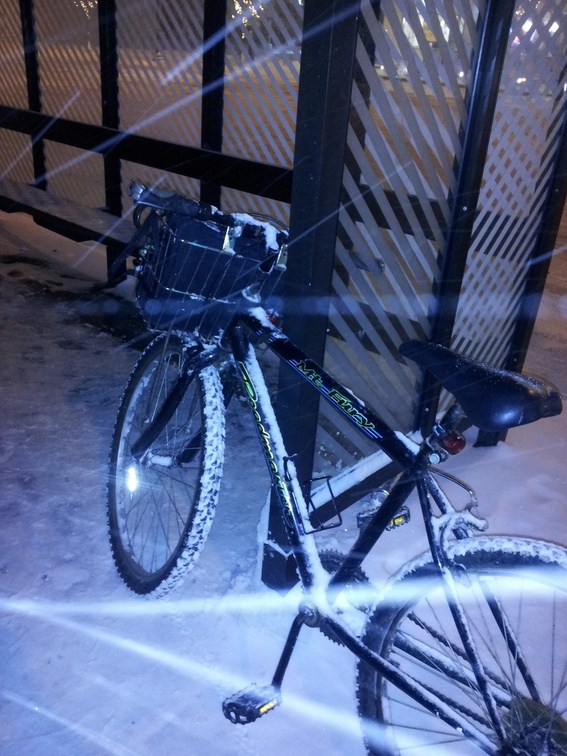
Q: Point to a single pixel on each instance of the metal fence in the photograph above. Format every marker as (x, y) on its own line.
(199, 96)
(453, 181)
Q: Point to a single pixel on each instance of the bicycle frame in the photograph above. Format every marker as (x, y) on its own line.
(304, 512)
(294, 511)
(287, 488)
(316, 609)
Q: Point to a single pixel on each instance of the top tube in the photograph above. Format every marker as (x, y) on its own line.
(393, 443)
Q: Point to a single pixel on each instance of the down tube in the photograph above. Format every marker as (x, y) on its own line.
(280, 466)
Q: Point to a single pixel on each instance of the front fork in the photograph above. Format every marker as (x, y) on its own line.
(194, 361)
(461, 524)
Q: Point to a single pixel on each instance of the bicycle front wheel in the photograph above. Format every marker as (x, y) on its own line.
(513, 594)
(161, 504)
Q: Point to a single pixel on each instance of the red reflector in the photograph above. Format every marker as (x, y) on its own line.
(274, 317)
(453, 442)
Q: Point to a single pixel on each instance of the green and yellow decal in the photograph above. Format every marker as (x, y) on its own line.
(266, 441)
(343, 402)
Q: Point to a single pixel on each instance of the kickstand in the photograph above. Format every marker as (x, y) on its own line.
(253, 702)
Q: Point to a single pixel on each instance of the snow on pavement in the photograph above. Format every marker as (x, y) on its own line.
(89, 668)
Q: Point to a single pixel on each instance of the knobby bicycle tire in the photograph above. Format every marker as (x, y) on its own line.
(160, 507)
(414, 630)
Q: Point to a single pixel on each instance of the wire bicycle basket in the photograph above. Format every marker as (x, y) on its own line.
(194, 273)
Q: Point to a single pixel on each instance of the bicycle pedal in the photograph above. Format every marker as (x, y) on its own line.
(400, 518)
(250, 704)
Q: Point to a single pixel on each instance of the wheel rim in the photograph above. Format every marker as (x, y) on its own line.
(155, 495)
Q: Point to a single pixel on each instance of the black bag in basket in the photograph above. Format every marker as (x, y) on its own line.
(193, 272)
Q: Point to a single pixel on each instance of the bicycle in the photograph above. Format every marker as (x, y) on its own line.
(467, 643)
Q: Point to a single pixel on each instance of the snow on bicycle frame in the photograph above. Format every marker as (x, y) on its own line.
(196, 266)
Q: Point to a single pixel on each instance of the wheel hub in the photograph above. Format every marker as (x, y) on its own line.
(534, 729)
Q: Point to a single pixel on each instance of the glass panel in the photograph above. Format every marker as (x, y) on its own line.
(16, 156)
(13, 88)
(75, 174)
(408, 108)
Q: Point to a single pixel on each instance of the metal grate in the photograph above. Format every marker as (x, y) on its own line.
(408, 106)
(524, 140)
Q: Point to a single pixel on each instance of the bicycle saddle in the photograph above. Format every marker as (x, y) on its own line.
(493, 399)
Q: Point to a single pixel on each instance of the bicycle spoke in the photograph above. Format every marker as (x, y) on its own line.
(517, 620)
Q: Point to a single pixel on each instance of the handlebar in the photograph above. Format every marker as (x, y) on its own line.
(160, 199)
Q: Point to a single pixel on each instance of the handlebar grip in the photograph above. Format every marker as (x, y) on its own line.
(207, 212)
(140, 192)
(161, 199)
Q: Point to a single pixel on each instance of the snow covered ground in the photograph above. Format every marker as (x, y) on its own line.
(88, 668)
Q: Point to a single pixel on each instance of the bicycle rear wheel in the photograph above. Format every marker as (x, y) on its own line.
(161, 505)
(524, 655)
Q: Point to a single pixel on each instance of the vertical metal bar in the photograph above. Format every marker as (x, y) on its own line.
(327, 67)
(110, 116)
(109, 98)
(33, 85)
(487, 71)
(214, 30)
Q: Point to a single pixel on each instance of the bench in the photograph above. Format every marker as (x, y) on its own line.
(67, 217)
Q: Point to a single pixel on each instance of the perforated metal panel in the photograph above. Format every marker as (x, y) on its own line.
(408, 107)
